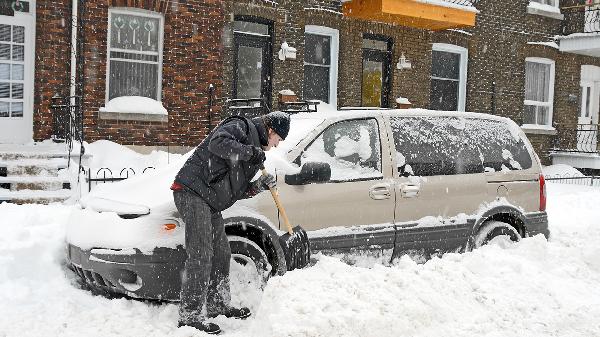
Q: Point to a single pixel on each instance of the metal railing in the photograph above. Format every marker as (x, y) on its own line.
(468, 3)
(581, 18)
(583, 139)
(67, 123)
(574, 180)
(105, 175)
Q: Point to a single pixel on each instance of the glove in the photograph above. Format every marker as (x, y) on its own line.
(267, 181)
(258, 156)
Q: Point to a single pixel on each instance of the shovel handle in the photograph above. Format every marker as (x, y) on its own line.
(279, 206)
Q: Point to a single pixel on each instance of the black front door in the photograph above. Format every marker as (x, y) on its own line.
(253, 63)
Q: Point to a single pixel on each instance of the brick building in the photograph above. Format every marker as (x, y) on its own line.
(534, 61)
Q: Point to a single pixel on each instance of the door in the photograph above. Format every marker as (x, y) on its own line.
(587, 128)
(376, 72)
(359, 192)
(253, 60)
(16, 76)
(440, 175)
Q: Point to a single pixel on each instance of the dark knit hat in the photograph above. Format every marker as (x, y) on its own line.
(279, 122)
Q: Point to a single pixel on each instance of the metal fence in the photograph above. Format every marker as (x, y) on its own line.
(105, 175)
(574, 180)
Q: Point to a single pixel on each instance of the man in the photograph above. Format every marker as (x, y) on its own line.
(212, 179)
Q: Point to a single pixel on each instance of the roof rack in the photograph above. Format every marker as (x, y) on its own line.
(299, 106)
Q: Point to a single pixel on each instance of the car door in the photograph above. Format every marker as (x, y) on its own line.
(439, 182)
(358, 194)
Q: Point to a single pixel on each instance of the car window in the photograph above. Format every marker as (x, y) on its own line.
(441, 145)
(351, 148)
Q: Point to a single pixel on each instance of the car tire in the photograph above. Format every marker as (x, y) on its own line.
(492, 229)
(250, 256)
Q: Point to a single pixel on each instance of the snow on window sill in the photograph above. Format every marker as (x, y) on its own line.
(536, 129)
(134, 108)
(544, 10)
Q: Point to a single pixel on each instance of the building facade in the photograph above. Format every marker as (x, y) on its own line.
(534, 61)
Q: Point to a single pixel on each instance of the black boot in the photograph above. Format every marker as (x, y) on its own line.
(209, 328)
(232, 312)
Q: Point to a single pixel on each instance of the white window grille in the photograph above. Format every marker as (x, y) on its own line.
(135, 43)
(539, 92)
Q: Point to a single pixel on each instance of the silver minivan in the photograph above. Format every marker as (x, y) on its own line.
(397, 182)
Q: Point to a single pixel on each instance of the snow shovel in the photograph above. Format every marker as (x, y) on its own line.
(294, 243)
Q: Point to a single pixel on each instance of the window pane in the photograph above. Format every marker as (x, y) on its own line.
(18, 53)
(4, 90)
(5, 33)
(537, 81)
(375, 44)
(16, 109)
(445, 65)
(251, 27)
(18, 72)
(351, 148)
(529, 115)
(134, 32)
(249, 72)
(133, 79)
(444, 95)
(17, 91)
(317, 49)
(18, 34)
(4, 109)
(316, 83)
(542, 115)
(535, 114)
(372, 83)
(4, 51)
(4, 71)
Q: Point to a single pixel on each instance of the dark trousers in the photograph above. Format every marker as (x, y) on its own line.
(205, 279)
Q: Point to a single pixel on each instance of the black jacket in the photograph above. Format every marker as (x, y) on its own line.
(218, 171)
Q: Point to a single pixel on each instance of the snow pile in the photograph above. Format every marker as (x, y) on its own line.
(135, 104)
(533, 288)
(561, 171)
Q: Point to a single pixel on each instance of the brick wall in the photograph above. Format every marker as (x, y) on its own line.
(52, 61)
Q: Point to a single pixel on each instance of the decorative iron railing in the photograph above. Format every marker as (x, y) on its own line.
(583, 139)
(105, 175)
(67, 123)
(468, 3)
(583, 17)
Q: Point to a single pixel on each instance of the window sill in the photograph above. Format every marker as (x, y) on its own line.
(538, 129)
(549, 13)
(125, 116)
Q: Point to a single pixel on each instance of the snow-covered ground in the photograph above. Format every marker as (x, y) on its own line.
(532, 288)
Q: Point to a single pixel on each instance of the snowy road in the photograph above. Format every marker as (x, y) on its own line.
(533, 288)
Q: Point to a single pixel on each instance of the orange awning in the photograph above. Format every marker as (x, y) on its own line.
(422, 14)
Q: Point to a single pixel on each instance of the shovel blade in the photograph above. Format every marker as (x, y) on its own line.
(296, 248)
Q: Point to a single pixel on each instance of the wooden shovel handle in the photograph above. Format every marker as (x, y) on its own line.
(279, 206)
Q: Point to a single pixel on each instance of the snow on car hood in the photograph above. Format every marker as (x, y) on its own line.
(151, 190)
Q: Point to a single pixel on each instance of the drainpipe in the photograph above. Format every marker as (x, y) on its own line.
(74, 24)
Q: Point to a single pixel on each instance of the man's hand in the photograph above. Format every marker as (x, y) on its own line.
(267, 181)
(258, 156)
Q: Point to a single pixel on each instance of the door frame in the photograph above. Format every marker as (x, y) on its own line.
(29, 21)
(259, 41)
(334, 34)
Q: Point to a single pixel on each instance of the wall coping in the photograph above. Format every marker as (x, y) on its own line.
(542, 12)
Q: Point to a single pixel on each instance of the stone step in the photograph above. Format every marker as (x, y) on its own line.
(49, 183)
(34, 197)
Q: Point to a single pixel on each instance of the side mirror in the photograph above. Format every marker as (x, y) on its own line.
(312, 172)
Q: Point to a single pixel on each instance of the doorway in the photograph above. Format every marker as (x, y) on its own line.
(17, 33)
(587, 122)
(376, 73)
(252, 59)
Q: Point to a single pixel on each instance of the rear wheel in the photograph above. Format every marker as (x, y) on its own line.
(493, 229)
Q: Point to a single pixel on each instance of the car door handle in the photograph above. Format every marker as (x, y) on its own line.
(410, 191)
(380, 192)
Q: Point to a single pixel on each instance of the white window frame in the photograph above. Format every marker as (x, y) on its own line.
(550, 103)
(555, 3)
(334, 34)
(464, 60)
(138, 12)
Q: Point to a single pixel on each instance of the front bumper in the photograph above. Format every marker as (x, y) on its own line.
(130, 272)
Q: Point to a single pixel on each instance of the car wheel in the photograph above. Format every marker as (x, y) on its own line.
(250, 265)
(493, 229)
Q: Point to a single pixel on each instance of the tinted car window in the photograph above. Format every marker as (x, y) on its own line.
(441, 145)
(351, 148)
